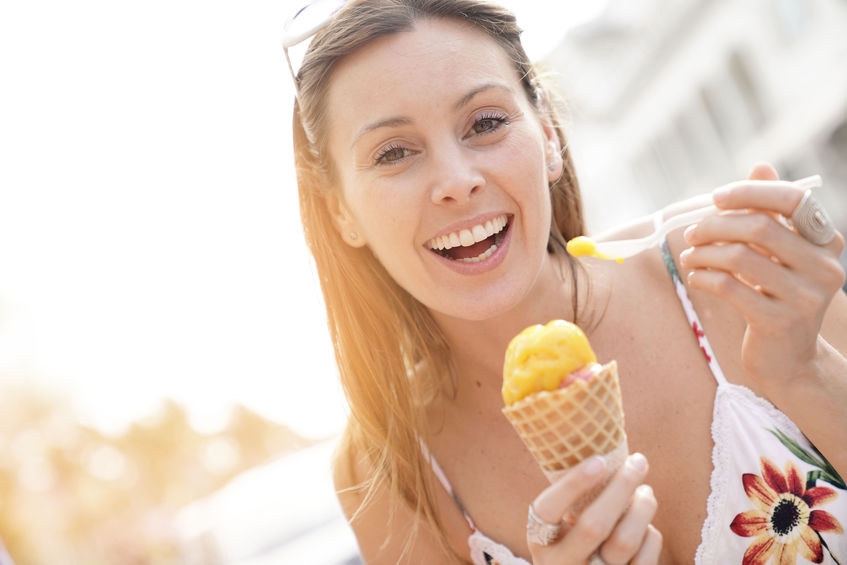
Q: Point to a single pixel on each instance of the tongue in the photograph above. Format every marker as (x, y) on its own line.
(472, 251)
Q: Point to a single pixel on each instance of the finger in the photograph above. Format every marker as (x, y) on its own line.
(783, 199)
(753, 292)
(763, 171)
(630, 532)
(650, 549)
(777, 196)
(751, 268)
(768, 236)
(741, 296)
(719, 267)
(554, 502)
(600, 517)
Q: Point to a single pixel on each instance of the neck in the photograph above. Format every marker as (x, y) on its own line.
(478, 346)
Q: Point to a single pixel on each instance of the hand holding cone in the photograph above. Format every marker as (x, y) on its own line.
(564, 405)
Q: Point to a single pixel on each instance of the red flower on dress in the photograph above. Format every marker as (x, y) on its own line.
(786, 519)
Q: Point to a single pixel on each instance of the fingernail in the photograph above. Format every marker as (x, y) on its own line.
(683, 257)
(644, 491)
(637, 462)
(689, 278)
(689, 232)
(595, 466)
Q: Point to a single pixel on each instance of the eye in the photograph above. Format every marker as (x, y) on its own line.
(488, 123)
(391, 155)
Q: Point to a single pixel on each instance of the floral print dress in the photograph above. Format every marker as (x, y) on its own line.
(774, 498)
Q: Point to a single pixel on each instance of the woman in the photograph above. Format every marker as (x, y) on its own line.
(418, 120)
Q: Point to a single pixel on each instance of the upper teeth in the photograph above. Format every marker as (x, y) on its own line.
(469, 236)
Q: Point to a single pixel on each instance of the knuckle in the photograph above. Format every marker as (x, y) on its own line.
(593, 529)
(621, 547)
(839, 242)
(762, 227)
(807, 299)
(811, 299)
(781, 321)
(653, 541)
(841, 279)
(737, 255)
(723, 283)
(833, 274)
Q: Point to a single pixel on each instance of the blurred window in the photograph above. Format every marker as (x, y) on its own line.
(747, 89)
(792, 17)
(733, 104)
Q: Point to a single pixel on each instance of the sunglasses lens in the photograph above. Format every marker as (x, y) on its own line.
(308, 20)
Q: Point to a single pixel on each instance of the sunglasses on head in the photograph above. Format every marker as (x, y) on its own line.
(302, 25)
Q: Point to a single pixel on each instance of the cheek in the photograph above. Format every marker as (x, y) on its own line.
(534, 197)
(527, 156)
(386, 220)
(527, 167)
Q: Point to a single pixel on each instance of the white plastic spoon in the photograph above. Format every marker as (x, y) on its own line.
(623, 248)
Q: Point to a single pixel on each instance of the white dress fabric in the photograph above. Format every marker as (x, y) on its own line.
(774, 498)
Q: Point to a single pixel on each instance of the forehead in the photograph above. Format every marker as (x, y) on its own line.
(429, 38)
(436, 60)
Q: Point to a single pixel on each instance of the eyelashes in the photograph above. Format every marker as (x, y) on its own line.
(484, 124)
(488, 123)
(391, 154)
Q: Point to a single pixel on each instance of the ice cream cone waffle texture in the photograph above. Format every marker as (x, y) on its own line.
(564, 426)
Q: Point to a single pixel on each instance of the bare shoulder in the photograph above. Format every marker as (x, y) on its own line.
(386, 528)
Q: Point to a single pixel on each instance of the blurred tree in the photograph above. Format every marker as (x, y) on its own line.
(71, 495)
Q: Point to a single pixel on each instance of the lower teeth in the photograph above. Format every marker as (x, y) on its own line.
(482, 257)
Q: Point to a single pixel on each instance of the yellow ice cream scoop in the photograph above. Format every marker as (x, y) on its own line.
(542, 356)
(581, 246)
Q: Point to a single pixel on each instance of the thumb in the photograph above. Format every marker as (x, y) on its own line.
(763, 171)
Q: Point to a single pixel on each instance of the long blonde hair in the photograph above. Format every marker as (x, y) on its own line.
(380, 333)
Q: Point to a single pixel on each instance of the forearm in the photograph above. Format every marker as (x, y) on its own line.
(818, 405)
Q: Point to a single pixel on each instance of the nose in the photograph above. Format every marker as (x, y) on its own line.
(455, 175)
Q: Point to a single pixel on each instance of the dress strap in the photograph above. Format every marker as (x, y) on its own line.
(442, 478)
(690, 313)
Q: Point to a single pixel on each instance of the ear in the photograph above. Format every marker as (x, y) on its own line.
(344, 222)
(553, 144)
(552, 151)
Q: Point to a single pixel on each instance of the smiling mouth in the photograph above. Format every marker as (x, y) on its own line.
(472, 245)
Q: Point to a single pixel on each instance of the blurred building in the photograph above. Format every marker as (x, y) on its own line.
(671, 98)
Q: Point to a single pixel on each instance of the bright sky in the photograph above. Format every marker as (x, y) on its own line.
(149, 237)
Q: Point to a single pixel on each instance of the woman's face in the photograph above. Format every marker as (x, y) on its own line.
(443, 165)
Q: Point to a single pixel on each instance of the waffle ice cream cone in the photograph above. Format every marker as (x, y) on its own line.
(565, 426)
(564, 405)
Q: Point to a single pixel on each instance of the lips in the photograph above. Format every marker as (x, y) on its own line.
(474, 244)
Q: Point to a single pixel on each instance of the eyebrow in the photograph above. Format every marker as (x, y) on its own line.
(479, 90)
(388, 123)
(402, 121)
